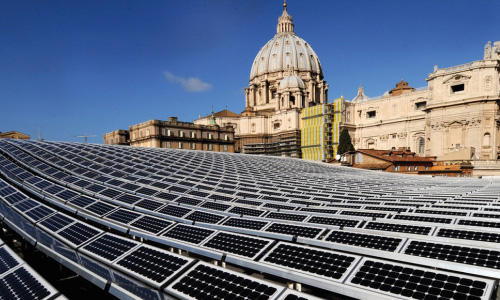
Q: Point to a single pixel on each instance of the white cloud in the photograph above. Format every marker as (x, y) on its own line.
(191, 84)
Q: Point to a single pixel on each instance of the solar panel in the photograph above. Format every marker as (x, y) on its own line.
(187, 233)
(100, 208)
(205, 281)
(491, 237)
(109, 247)
(364, 240)
(312, 261)
(175, 210)
(39, 213)
(78, 233)
(295, 230)
(151, 224)
(482, 257)
(8, 260)
(333, 221)
(23, 284)
(200, 216)
(82, 201)
(56, 222)
(244, 223)
(395, 279)
(237, 244)
(123, 216)
(149, 204)
(215, 206)
(246, 211)
(414, 229)
(152, 265)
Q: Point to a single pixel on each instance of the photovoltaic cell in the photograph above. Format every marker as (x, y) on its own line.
(56, 222)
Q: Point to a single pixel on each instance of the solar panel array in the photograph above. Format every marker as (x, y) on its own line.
(152, 221)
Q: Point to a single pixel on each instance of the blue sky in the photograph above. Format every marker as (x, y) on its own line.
(75, 67)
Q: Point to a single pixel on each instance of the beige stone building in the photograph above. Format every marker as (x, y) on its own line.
(182, 135)
(285, 77)
(117, 137)
(14, 135)
(455, 117)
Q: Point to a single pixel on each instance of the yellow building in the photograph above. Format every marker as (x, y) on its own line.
(320, 130)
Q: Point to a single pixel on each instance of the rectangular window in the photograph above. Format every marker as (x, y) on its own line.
(457, 88)
(426, 168)
(147, 132)
(209, 136)
(224, 148)
(420, 105)
(193, 134)
(415, 168)
(169, 132)
(226, 137)
(116, 140)
(180, 145)
(167, 144)
(133, 135)
(408, 168)
(193, 146)
(371, 114)
(164, 131)
(181, 133)
(140, 133)
(209, 147)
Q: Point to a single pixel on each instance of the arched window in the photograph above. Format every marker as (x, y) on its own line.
(420, 145)
(486, 139)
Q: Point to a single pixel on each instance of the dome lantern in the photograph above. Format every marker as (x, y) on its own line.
(285, 24)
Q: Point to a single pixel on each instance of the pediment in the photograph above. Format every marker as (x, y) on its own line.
(457, 78)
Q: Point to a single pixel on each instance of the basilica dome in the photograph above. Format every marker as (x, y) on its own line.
(286, 50)
(291, 82)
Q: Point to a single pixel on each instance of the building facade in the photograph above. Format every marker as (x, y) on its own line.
(285, 77)
(176, 135)
(14, 135)
(455, 117)
(117, 137)
(182, 135)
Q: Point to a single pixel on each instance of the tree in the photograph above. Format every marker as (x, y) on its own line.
(345, 143)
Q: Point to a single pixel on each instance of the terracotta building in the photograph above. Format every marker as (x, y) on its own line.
(387, 160)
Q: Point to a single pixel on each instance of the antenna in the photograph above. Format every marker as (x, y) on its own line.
(84, 136)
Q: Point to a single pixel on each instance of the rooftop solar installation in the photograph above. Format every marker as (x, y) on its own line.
(164, 223)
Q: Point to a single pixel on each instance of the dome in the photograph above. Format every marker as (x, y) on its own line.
(360, 97)
(291, 81)
(286, 50)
